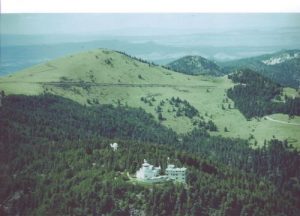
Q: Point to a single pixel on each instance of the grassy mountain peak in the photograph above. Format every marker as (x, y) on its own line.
(179, 101)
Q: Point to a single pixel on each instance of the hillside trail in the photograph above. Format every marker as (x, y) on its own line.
(281, 122)
(149, 85)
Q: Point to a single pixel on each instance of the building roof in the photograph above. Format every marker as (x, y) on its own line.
(172, 167)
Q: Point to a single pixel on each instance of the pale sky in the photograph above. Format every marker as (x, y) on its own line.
(166, 6)
(159, 23)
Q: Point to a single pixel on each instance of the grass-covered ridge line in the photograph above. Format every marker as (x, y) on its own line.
(109, 77)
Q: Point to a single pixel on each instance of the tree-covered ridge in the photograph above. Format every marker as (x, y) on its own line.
(37, 112)
(282, 67)
(64, 166)
(276, 161)
(138, 59)
(88, 178)
(195, 65)
(253, 95)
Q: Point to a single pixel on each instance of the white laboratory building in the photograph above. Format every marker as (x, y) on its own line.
(175, 173)
(149, 173)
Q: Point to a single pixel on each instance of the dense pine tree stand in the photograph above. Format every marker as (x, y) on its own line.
(56, 159)
(254, 95)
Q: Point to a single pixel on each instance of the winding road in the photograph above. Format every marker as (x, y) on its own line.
(147, 85)
(281, 122)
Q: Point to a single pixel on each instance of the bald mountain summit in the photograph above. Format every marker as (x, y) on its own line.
(181, 102)
(195, 65)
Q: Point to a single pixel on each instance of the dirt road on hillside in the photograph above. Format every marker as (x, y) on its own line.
(139, 85)
(281, 122)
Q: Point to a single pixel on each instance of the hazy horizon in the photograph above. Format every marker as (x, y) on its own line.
(28, 39)
(99, 23)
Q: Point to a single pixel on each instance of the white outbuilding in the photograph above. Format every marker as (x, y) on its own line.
(114, 146)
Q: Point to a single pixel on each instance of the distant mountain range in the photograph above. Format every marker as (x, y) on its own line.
(282, 67)
(21, 51)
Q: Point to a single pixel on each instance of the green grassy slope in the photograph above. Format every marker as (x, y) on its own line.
(107, 77)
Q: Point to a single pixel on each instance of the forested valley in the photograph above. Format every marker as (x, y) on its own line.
(55, 159)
